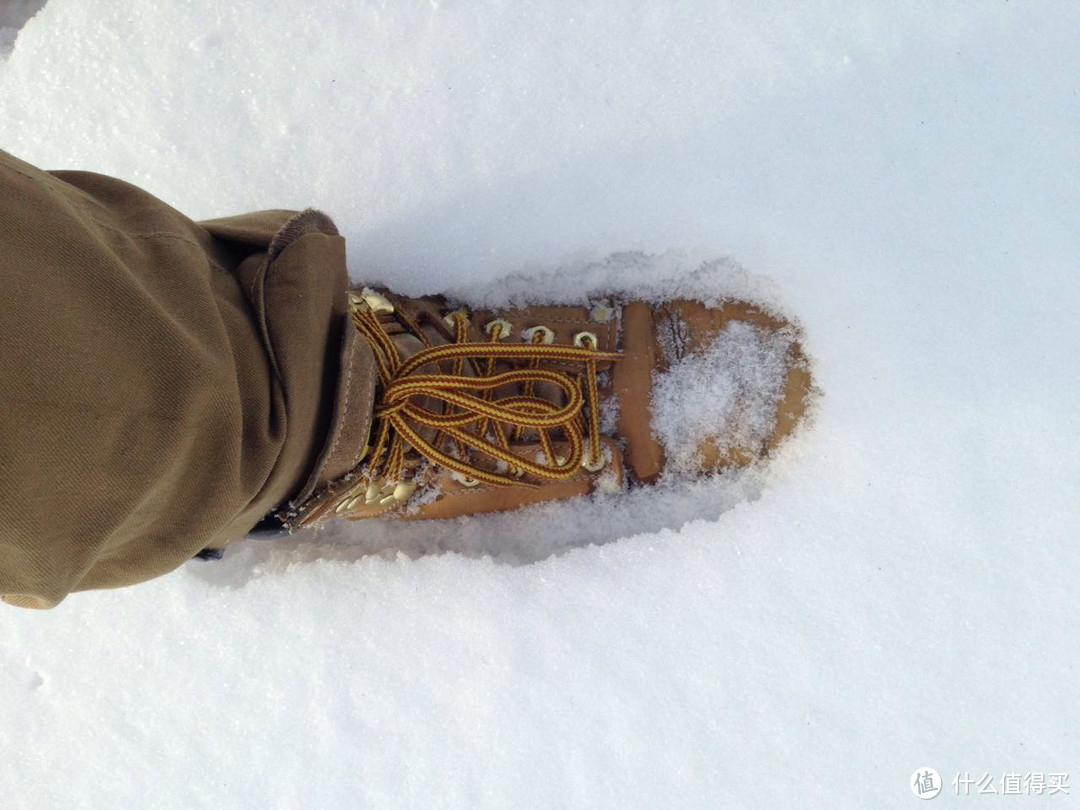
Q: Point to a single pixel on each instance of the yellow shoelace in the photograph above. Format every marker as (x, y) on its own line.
(470, 413)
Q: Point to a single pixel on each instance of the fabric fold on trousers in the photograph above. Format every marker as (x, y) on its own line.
(163, 383)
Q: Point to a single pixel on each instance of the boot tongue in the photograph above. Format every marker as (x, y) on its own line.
(409, 344)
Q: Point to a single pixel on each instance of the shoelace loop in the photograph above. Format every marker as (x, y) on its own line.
(470, 411)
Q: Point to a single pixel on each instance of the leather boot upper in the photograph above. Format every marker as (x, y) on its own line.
(489, 410)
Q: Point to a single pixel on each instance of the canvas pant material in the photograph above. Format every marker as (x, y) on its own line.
(163, 383)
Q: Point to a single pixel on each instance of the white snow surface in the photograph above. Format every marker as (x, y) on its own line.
(895, 590)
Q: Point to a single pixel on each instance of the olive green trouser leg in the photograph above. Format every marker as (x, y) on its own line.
(163, 383)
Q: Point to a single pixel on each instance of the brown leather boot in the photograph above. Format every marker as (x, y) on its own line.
(482, 411)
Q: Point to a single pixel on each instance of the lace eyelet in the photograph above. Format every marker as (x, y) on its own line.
(587, 465)
(503, 328)
(379, 491)
(548, 335)
(602, 314)
(450, 318)
(581, 337)
(464, 480)
(374, 301)
(529, 334)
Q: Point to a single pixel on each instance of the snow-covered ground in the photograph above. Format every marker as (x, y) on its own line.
(897, 590)
(13, 15)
